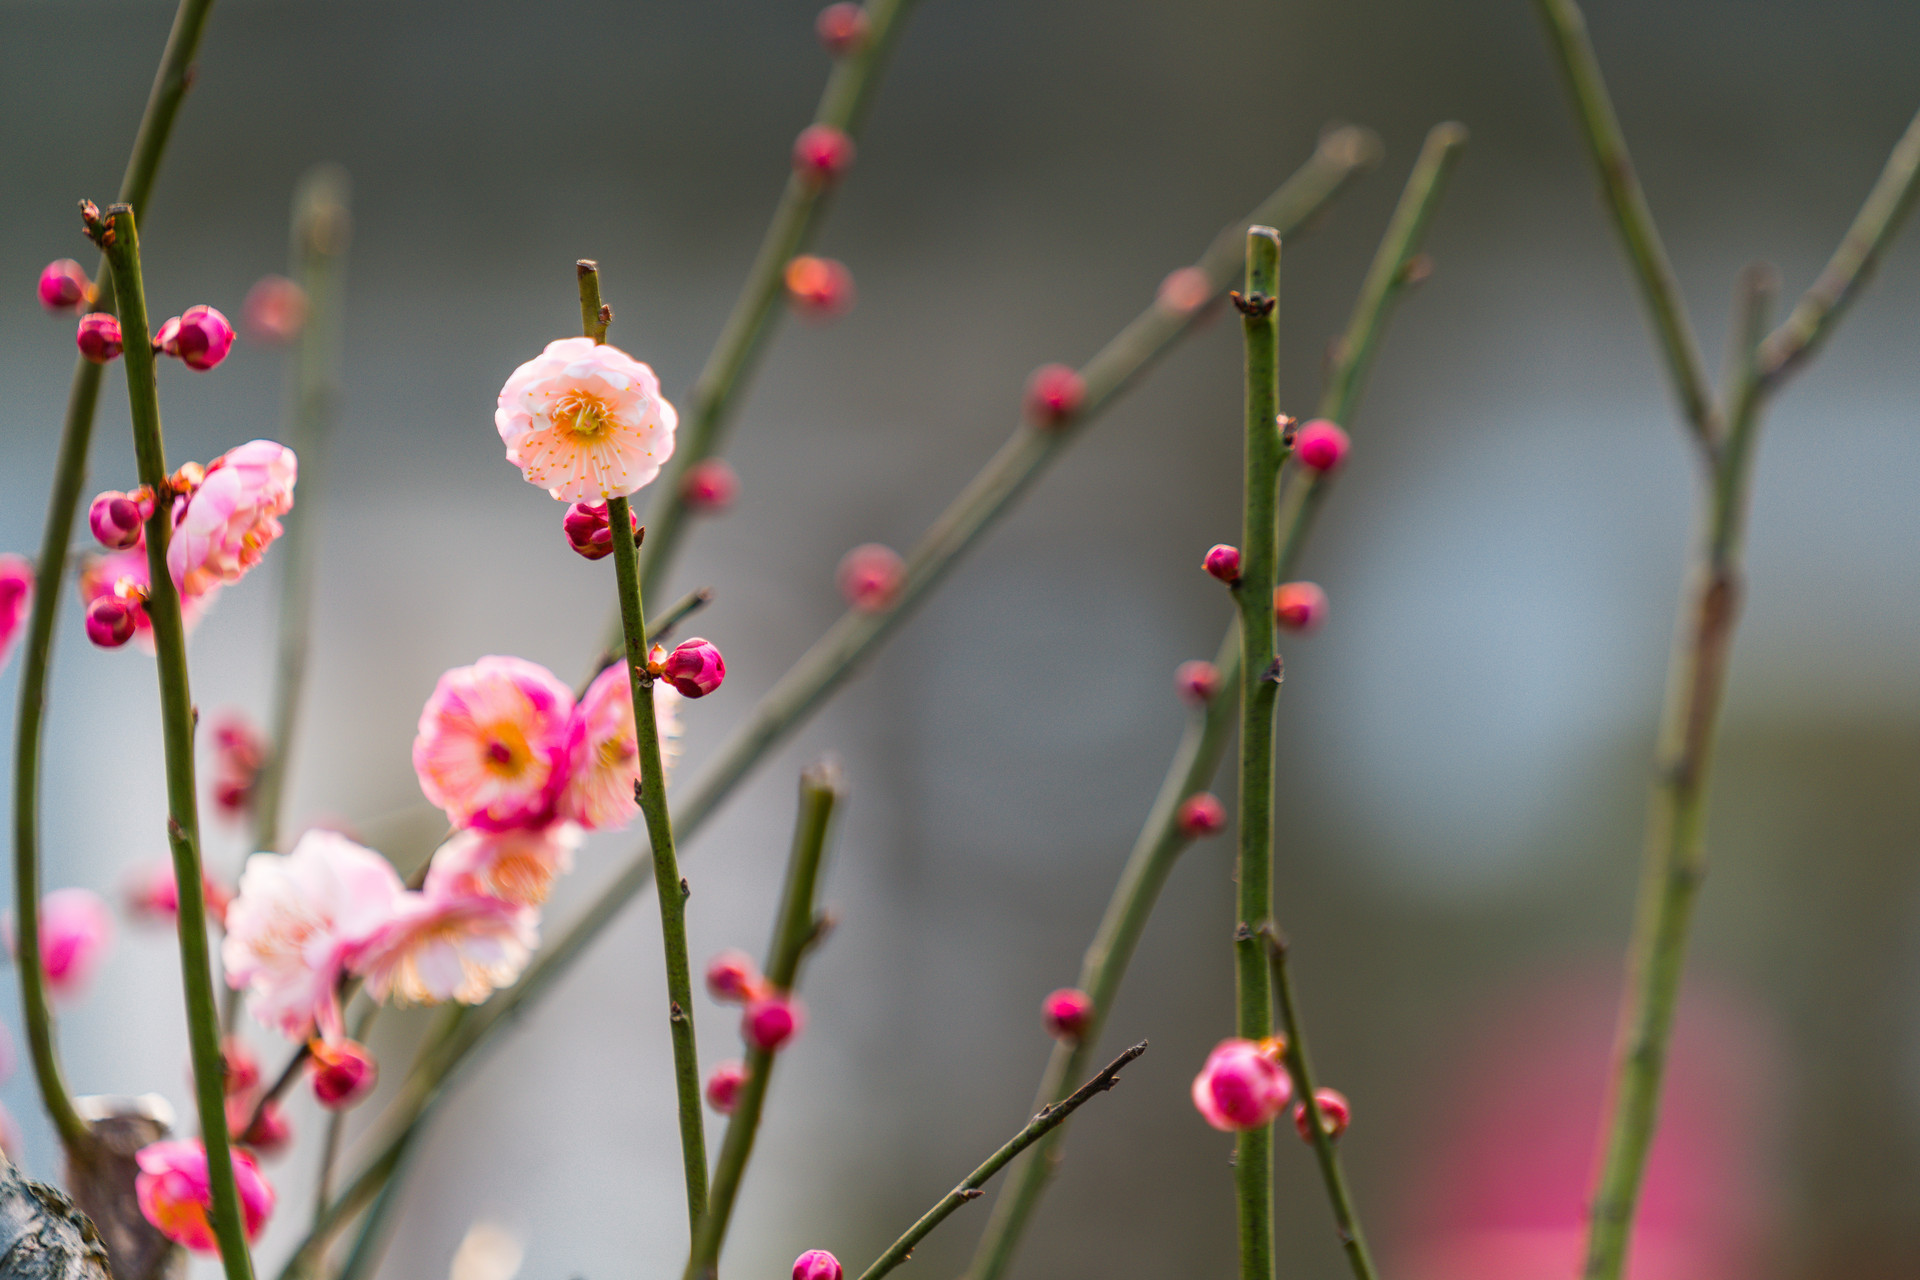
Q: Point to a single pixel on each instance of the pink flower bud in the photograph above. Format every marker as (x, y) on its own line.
(344, 1072)
(63, 285)
(1223, 562)
(819, 288)
(1054, 393)
(1197, 681)
(771, 1021)
(710, 486)
(1068, 1014)
(110, 622)
(723, 1086)
(198, 337)
(1299, 606)
(1185, 290)
(822, 154)
(842, 29)
(148, 894)
(1201, 814)
(243, 1068)
(1335, 1112)
(268, 1136)
(275, 310)
(99, 337)
(16, 600)
(589, 531)
(870, 577)
(733, 978)
(175, 1194)
(76, 932)
(116, 518)
(818, 1264)
(695, 668)
(1241, 1086)
(1321, 445)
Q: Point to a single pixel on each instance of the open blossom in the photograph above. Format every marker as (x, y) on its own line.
(605, 749)
(492, 749)
(225, 526)
(444, 946)
(16, 601)
(585, 421)
(175, 1193)
(298, 921)
(517, 866)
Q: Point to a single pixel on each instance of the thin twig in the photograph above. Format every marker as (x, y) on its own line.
(969, 1188)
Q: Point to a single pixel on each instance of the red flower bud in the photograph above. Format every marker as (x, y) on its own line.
(842, 29)
(1321, 445)
(818, 1264)
(588, 529)
(733, 977)
(822, 154)
(870, 577)
(110, 622)
(819, 288)
(771, 1021)
(695, 668)
(1201, 814)
(116, 518)
(1335, 1112)
(198, 337)
(1068, 1014)
(267, 1136)
(63, 285)
(1223, 562)
(1054, 393)
(709, 486)
(1197, 681)
(275, 310)
(723, 1086)
(1241, 1087)
(343, 1073)
(99, 337)
(1299, 606)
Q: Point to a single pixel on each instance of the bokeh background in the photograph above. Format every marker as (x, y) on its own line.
(1463, 749)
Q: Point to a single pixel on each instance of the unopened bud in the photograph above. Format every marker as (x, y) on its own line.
(709, 486)
(1054, 395)
(589, 531)
(198, 337)
(1223, 562)
(110, 622)
(1185, 290)
(1197, 681)
(771, 1021)
(1335, 1113)
(870, 577)
(1068, 1014)
(1321, 445)
(63, 285)
(822, 154)
(1240, 1087)
(275, 310)
(733, 977)
(723, 1086)
(842, 29)
(117, 518)
(343, 1073)
(243, 1068)
(98, 337)
(695, 668)
(1299, 606)
(819, 288)
(1201, 815)
(268, 1136)
(817, 1264)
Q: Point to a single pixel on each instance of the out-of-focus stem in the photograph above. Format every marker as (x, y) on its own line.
(170, 84)
(795, 928)
(177, 718)
(1049, 1118)
(322, 226)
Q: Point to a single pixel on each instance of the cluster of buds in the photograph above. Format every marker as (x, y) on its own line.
(1201, 814)
(870, 577)
(1243, 1086)
(1055, 393)
(772, 1017)
(709, 486)
(1067, 1014)
(198, 337)
(118, 520)
(695, 666)
(589, 530)
(818, 288)
(238, 754)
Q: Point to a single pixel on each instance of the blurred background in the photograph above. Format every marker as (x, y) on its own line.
(1463, 749)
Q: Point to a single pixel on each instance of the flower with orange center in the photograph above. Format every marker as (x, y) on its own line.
(517, 866)
(585, 421)
(606, 750)
(492, 750)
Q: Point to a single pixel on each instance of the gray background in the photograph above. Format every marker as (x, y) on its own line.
(1463, 748)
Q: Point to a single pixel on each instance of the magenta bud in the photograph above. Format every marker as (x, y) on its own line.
(710, 486)
(723, 1086)
(275, 310)
(63, 285)
(110, 622)
(822, 154)
(1201, 814)
(1054, 395)
(1068, 1014)
(1299, 606)
(870, 577)
(343, 1073)
(98, 337)
(1335, 1113)
(771, 1021)
(1197, 681)
(733, 977)
(1321, 445)
(818, 288)
(588, 531)
(198, 337)
(116, 519)
(1241, 1087)
(695, 668)
(818, 1264)
(842, 29)
(1223, 562)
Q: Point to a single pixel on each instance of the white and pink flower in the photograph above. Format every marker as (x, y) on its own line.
(606, 752)
(492, 750)
(517, 867)
(299, 921)
(585, 421)
(445, 946)
(223, 529)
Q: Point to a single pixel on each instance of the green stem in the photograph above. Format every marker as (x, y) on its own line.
(1346, 1218)
(1196, 761)
(1050, 1117)
(1259, 691)
(170, 85)
(796, 927)
(177, 718)
(658, 629)
(321, 227)
(723, 380)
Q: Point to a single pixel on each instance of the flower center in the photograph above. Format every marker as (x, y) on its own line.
(582, 412)
(505, 752)
(617, 750)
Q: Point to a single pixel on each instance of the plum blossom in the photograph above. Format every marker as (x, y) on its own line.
(175, 1193)
(76, 932)
(223, 529)
(298, 921)
(605, 749)
(16, 601)
(123, 575)
(585, 421)
(445, 945)
(492, 749)
(517, 867)
(1242, 1086)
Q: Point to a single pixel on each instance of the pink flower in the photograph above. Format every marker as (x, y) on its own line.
(517, 866)
(64, 285)
(448, 946)
(585, 421)
(298, 922)
(16, 601)
(175, 1193)
(1241, 1086)
(492, 750)
(224, 528)
(76, 932)
(605, 751)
